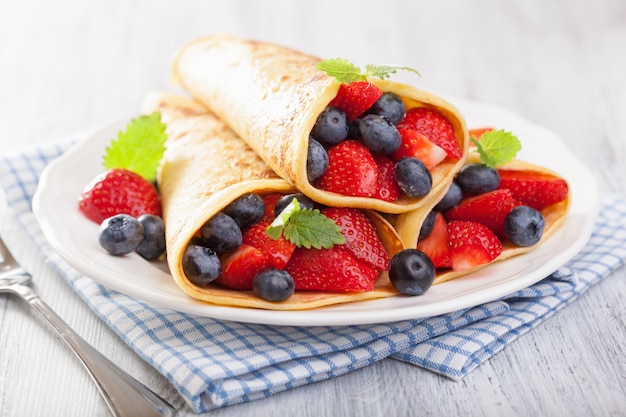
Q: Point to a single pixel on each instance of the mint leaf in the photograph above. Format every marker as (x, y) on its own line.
(385, 71)
(139, 148)
(346, 72)
(305, 228)
(497, 147)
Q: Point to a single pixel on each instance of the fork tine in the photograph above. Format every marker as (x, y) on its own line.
(7, 261)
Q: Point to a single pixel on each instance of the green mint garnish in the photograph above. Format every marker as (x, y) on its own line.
(346, 72)
(497, 147)
(139, 148)
(305, 228)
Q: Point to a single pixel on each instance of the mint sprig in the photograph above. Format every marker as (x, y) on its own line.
(305, 228)
(497, 147)
(346, 72)
(139, 148)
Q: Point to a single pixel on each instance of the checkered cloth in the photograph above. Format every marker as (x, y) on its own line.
(217, 363)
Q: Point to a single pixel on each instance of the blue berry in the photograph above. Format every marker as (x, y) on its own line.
(304, 201)
(379, 135)
(331, 126)
(201, 265)
(120, 234)
(153, 244)
(411, 272)
(413, 177)
(353, 129)
(246, 210)
(524, 226)
(316, 160)
(221, 233)
(453, 196)
(477, 179)
(389, 105)
(428, 225)
(273, 285)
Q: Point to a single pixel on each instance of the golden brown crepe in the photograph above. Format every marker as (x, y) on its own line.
(205, 167)
(409, 224)
(271, 97)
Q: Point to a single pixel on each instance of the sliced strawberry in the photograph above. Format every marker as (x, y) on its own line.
(489, 209)
(351, 170)
(279, 250)
(435, 245)
(387, 189)
(356, 97)
(362, 240)
(471, 244)
(535, 189)
(416, 144)
(240, 267)
(118, 191)
(479, 131)
(330, 270)
(435, 127)
(270, 201)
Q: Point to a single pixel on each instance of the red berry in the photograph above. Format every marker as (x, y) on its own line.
(279, 250)
(387, 189)
(355, 98)
(435, 127)
(435, 245)
(416, 144)
(471, 244)
(240, 267)
(535, 189)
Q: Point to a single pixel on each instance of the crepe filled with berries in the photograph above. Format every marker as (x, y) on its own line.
(497, 207)
(341, 136)
(209, 178)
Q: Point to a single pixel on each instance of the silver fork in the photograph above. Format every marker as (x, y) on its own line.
(124, 395)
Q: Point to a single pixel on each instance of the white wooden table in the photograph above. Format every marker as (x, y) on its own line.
(69, 65)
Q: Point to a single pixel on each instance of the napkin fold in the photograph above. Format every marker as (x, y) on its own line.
(215, 363)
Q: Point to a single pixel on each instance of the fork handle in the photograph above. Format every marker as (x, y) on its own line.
(123, 394)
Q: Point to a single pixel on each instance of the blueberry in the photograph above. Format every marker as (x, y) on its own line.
(153, 244)
(389, 105)
(201, 264)
(120, 234)
(413, 177)
(331, 126)
(316, 160)
(411, 272)
(246, 210)
(221, 233)
(524, 225)
(304, 201)
(273, 284)
(353, 130)
(477, 179)
(379, 135)
(453, 196)
(428, 225)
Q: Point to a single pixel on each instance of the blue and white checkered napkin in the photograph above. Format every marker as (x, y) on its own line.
(217, 363)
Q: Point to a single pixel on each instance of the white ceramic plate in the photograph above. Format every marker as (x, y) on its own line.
(75, 238)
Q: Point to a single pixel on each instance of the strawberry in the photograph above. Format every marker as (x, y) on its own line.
(435, 245)
(270, 201)
(362, 240)
(278, 250)
(240, 267)
(479, 131)
(435, 127)
(416, 144)
(330, 270)
(535, 189)
(387, 189)
(351, 170)
(490, 209)
(355, 98)
(471, 244)
(118, 191)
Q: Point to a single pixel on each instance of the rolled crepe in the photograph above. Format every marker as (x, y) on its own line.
(271, 97)
(206, 167)
(409, 224)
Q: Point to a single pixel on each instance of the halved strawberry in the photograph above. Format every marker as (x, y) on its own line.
(351, 170)
(270, 201)
(435, 127)
(479, 131)
(418, 145)
(330, 270)
(535, 189)
(435, 245)
(489, 209)
(362, 240)
(471, 244)
(240, 267)
(279, 250)
(387, 189)
(118, 191)
(356, 97)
